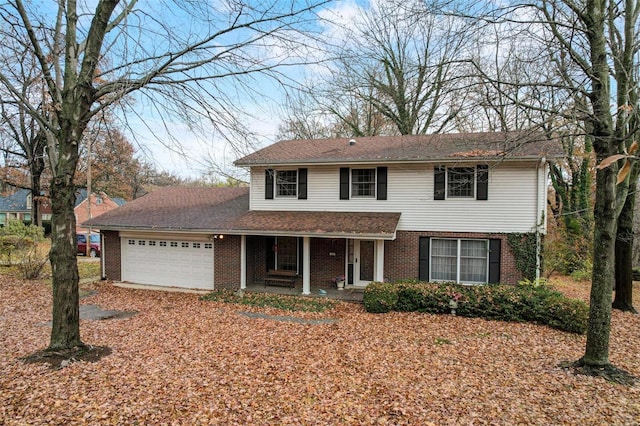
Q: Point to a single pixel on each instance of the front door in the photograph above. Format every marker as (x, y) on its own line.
(361, 260)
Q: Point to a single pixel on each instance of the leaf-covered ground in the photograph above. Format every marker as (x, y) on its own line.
(181, 360)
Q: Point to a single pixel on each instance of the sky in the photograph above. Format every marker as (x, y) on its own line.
(259, 111)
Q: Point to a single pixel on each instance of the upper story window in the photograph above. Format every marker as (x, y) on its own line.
(460, 182)
(363, 182)
(286, 183)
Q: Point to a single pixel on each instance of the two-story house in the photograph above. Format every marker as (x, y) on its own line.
(436, 208)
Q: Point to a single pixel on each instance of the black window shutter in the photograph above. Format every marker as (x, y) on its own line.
(381, 183)
(344, 183)
(268, 184)
(439, 182)
(494, 261)
(270, 258)
(423, 254)
(482, 182)
(302, 184)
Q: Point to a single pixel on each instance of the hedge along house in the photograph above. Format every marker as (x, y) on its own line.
(437, 208)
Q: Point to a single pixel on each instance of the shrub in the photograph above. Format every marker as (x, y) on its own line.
(380, 297)
(529, 301)
(32, 263)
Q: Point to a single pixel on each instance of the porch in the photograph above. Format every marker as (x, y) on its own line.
(349, 294)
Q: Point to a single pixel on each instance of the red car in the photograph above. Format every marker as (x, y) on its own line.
(82, 244)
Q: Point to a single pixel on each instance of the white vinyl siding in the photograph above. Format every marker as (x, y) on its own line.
(515, 194)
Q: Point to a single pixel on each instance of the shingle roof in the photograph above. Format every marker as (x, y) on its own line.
(430, 148)
(334, 224)
(178, 208)
(227, 210)
(16, 202)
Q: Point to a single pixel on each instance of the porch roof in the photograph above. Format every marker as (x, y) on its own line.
(319, 224)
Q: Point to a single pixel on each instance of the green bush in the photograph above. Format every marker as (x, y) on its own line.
(380, 297)
(528, 302)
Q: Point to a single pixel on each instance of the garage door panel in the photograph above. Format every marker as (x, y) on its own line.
(168, 263)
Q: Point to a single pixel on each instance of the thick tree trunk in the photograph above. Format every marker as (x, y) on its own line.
(597, 348)
(604, 213)
(624, 254)
(65, 331)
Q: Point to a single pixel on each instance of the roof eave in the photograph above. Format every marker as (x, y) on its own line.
(403, 160)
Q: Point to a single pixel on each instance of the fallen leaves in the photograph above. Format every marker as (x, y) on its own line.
(186, 361)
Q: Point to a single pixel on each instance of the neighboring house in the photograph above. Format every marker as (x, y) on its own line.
(16, 206)
(439, 207)
(90, 207)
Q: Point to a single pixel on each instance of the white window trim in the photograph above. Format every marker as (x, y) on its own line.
(276, 193)
(473, 184)
(459, 243)
(375, 183)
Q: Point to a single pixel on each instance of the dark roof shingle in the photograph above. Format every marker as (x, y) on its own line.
(441, 147)
(178, 208)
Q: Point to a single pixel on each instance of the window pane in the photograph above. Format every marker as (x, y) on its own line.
(444, 255)
(286, 183)
(287, 254)
(460, 181)
(473, 261)
(363, 182)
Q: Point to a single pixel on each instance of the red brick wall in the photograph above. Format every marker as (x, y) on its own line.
(402, 262)
(112, 255)
(325, 267)
(82, 215)
(226, 273)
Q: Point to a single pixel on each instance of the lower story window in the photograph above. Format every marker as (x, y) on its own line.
(459, 260)
(287, 253)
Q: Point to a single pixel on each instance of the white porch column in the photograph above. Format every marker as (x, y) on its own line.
(243, 262)
(306, 266)
(379, 272)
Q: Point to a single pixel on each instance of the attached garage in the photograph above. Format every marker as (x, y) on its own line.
(171, 262)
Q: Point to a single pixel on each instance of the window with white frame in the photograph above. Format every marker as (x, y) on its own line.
(459, 260)
(286, 183)
(363, 182)
(461, 182)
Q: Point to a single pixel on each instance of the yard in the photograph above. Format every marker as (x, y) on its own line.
(181, 360)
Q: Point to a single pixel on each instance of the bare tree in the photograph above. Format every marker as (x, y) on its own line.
(92, 59)
(393, 71)
(24, 138)
(576, 36)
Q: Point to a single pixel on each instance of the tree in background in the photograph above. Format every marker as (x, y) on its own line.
(182, 68)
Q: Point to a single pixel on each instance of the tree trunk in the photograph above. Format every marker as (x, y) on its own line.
(597, 348)
(65, 331)
(624, 253)
(37, 167)
(604, 213)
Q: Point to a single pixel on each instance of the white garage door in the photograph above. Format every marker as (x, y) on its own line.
(171, 263)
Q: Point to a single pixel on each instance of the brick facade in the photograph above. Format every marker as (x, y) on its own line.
(327, 258)
(402, 262)
(112, 255)
(226, 255)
